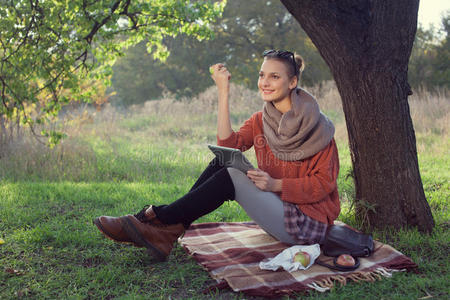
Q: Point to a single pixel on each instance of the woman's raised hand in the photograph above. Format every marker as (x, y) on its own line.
(220, 75)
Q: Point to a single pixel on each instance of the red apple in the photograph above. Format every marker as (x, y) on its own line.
(345, 260)
(302, 257)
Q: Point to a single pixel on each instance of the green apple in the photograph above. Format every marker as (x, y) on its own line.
(2, 241)
(303, 258)
(211, 70)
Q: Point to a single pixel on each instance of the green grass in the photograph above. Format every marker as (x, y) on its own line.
(51, 240)
(48, 199)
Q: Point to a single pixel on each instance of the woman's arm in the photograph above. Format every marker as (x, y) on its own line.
(222, 77)
(242, 139)
(223, 116)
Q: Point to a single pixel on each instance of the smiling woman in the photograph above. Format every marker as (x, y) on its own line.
(292, 194)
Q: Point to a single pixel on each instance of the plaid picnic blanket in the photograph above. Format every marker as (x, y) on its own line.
(231, 253)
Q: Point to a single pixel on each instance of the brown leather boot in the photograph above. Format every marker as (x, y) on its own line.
(112, 227)
(158, 238)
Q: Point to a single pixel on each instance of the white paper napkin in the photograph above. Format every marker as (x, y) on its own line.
(285, 259)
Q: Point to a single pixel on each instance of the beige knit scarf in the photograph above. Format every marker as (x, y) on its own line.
(299, 133)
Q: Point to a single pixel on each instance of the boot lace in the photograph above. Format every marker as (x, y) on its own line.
(141, 215)
(143, 218)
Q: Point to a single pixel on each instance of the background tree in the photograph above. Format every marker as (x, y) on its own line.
(429, 65)
(246, 29)
(50, 46)
(136, 76)
(367, 45)
(441, 65)
(423, 54)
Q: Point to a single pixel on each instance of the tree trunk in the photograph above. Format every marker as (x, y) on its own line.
(2, 136)
(367, 44)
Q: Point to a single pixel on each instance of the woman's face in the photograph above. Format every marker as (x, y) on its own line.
(274, 83)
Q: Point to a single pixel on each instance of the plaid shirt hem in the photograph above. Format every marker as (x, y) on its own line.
(304, 229)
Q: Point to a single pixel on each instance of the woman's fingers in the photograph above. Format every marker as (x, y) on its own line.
(252, 176)
(219, 68)
(253, 172)
(216, 67)
(260, 182)
(258, 178)
(261, 185)
(256, 173)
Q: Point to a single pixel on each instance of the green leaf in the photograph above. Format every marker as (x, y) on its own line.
(49, 47)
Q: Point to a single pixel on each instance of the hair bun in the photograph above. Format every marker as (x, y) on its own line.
(300, 63)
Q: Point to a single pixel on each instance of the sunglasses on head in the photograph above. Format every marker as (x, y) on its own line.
(284, 55)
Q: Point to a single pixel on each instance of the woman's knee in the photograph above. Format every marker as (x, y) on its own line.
(237, 175)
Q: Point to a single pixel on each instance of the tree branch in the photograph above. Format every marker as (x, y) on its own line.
(27, 32)
(98, 25)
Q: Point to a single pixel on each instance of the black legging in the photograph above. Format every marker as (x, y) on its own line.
(211, 190)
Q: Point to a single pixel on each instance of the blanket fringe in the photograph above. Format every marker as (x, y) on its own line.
(383, 272)
(326, 284)
(317, 287)
(341, 279)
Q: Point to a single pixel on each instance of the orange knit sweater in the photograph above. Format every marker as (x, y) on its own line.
(309, 183)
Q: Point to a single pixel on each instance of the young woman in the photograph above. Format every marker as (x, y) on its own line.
(292, 195)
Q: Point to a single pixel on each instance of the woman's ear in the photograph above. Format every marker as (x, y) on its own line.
(293, 83)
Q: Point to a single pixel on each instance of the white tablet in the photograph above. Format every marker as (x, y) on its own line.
(231, 157)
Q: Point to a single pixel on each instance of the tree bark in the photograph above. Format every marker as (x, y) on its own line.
(2, 136)
(367, 45)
